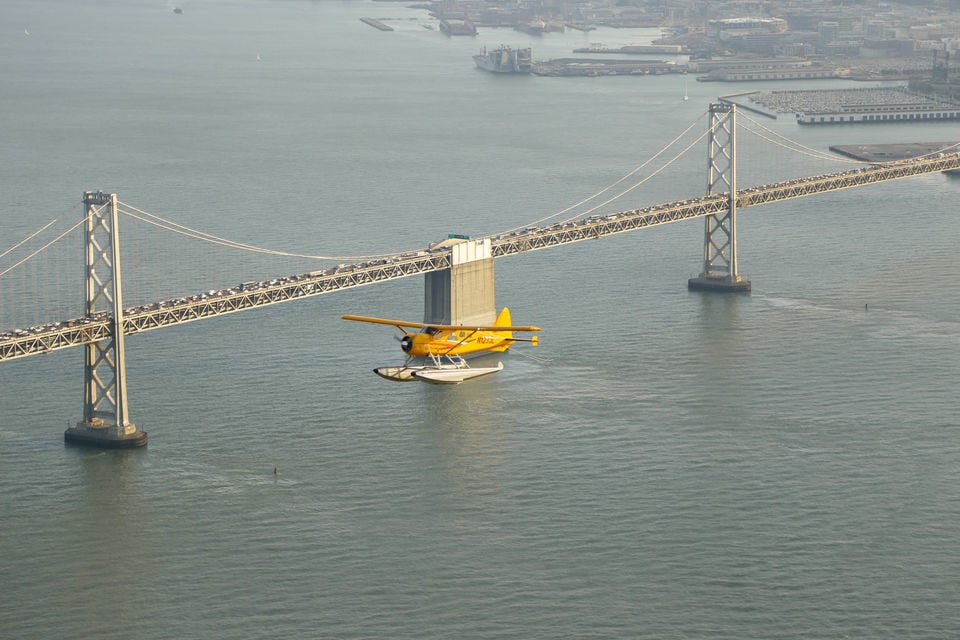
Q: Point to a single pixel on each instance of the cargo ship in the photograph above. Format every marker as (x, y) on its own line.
(505, 60)
(458, 27)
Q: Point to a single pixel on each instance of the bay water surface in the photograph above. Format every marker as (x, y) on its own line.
(667, 464)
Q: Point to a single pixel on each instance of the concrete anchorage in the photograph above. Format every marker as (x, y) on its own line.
(464, 294)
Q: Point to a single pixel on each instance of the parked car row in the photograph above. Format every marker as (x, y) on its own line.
(243, 287)
(52, 326)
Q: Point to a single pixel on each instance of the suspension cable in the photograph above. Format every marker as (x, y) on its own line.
(614, 184)
(57, 239)
(169, 225)
(183, 230)
(826, 156)
(28, 238)
(810, 151)
(652, 175)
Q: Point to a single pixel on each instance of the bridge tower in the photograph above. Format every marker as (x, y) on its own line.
(464, 293)
(720, 268)
(105, 420)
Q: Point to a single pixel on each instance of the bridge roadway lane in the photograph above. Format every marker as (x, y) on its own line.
(37, 340)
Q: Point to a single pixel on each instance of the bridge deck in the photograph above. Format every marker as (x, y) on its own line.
(59, 335)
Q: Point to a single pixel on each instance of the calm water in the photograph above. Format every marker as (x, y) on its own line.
(665, 464)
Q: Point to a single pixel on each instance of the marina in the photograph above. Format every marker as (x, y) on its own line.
(868, 104)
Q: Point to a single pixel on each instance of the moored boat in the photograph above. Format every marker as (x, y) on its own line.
(505, 60)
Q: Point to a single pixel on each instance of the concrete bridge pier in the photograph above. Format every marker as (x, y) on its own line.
(720, 267)
(105, 421)
(464, 294)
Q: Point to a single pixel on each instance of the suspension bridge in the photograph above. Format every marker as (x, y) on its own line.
(458, 272)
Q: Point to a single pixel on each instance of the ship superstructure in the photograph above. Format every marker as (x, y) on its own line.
(505, 60)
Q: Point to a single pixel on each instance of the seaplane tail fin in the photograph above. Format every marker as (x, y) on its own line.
(504, 320)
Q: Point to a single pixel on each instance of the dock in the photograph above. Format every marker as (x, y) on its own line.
(376, 24)
(592, 67)
(890, 152)
(660, 49)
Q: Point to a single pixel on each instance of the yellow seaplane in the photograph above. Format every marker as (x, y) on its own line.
(435, 354)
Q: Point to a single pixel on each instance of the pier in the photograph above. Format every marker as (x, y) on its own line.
(376, 24)
(591, 67)
(890, 152)
(630, 49)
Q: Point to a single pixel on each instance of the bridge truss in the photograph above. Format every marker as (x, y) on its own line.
(105, 323)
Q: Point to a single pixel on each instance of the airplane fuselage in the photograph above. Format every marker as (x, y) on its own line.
(437, 342)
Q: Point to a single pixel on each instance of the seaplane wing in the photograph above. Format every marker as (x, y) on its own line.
(392, 323)
(441, 327)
